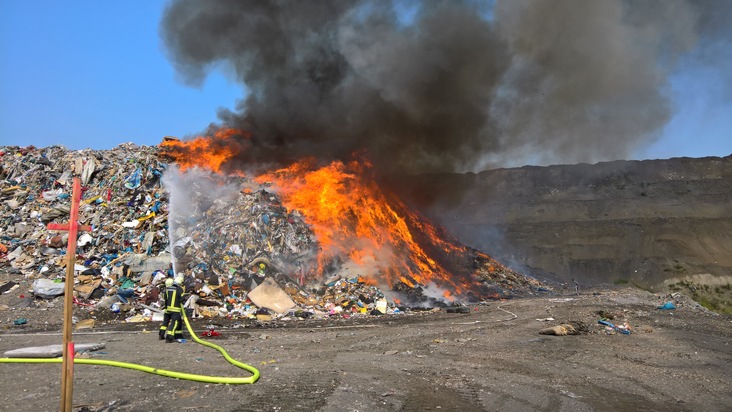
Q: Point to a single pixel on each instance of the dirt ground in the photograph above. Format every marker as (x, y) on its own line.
(492, 358)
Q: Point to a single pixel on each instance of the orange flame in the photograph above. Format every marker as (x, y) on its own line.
(351, 216)
(362, 231)
(208, 152)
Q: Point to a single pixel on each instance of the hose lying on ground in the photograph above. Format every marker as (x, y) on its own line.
(161, 372)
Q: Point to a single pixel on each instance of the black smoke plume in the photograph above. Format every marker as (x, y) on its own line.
(446, 86)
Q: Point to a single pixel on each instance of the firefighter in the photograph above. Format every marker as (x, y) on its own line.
(180, 282)
(166, 313)
(171, 329)
(261, 271)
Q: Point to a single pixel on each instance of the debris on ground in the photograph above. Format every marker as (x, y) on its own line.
(51, 351)
(559, 330)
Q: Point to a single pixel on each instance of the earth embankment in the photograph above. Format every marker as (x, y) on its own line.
(623, 221)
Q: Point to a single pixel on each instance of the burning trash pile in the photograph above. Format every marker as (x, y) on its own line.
(249, 247)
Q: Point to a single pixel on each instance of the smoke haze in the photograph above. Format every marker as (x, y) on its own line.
(447, 86)
(191, 194)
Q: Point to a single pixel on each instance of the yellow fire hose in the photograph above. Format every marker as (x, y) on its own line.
(161, 372)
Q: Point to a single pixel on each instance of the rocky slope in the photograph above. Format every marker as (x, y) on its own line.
(642, 222)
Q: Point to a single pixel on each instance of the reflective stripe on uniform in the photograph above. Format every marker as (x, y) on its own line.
(175, 309)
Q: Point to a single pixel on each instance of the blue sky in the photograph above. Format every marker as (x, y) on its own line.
(93, 74)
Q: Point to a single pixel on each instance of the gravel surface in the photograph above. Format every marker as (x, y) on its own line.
(492, 358)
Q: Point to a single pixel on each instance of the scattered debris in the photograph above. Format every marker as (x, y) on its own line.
(611, 329)
(8, 287)
(46, 288)
(667, 306)
(269, 295)
(559, 330)
(85, 324)
(51, 351)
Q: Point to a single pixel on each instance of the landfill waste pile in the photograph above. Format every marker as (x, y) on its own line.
(243, 255)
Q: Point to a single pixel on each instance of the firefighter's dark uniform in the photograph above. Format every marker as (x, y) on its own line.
(171, 329)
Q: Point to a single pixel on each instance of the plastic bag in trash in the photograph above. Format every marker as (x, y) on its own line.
(84, 239)
(133, 180)
(51, 195)
(667, 306)
(46, 288)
